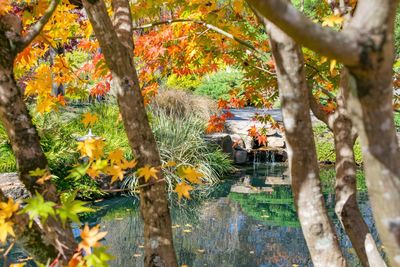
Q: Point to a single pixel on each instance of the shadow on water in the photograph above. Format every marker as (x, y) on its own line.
(242, 222)
(256, 228)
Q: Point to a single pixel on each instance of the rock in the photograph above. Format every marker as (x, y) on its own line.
(12, 187)
(248, 142)
(276, 142)
(237, 140)
(223, 140)
(240, 156)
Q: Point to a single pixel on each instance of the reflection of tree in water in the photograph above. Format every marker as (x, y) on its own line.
(223, 230)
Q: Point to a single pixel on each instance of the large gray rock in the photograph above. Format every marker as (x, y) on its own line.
(12, 187)
(276, 142)
(240, 156)
(223, 140)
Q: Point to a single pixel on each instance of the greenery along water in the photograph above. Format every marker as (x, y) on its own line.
(226, 228)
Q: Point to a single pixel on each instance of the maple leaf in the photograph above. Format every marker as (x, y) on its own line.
(262, 139)
(147, 172)
(116, 173)
(116, 156)
(91, 147)
(252, 131)
(5, 7)
(332, 21)
(183, 190)
(90, 238)
(190, 174)
(6, 228)
(89, 119)
(169, 164)
(70, 208)
(128, 164)
(8, 208)
(37, 207)
(38, 172)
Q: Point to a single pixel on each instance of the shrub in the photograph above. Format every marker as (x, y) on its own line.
(186, 82)
(218, 85)
(177, 103)
(180, 139)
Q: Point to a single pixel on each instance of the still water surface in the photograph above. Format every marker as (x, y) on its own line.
(225, 228)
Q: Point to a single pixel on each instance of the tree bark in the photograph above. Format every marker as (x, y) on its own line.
(317, 228)
(25, 141)
(117, 46)
(369, 56)
(346, 207)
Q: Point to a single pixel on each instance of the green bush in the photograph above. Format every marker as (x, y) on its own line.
(219, 84)
(186, 82)
(325, 145)
(397, 120)
(181, 140)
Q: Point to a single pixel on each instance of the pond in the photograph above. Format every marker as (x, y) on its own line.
(228, 227)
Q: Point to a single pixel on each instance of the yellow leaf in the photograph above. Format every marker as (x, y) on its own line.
(183, 190)
(190, 174)
(332, 21)
(147, 172)
(89, 119)
(116, 173)
(18, 264)
(8, 208)
(128, 164)
(91, 147)
(116, 156)
(169, 164)
(90, 238)
(5, 6)
(6, 228)
(332, 66)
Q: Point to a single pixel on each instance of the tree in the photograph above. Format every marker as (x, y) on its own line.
(22, 133)
(115, 38)
(365, 48)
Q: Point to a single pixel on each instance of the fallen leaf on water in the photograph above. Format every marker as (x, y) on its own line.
(251, 252)
(187, 231)
(176, 226)
(136, 255)
(140, 246)
(188, 225)
(201, 250)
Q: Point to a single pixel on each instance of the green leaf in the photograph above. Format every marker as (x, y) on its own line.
(98, 258)
(78, 172)
(37, 207)
(70, 208)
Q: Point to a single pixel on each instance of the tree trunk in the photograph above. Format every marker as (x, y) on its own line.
(117, 47)
(366, 48)
(317, 228)
(26, 146)
(346, 207)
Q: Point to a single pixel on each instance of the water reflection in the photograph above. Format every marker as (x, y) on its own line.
(226, 229)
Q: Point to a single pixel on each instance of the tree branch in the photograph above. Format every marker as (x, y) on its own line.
(339, 45)
(317, 110)
(208, 26)
(37, 28)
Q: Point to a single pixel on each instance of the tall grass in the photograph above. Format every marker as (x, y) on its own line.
(178, 134)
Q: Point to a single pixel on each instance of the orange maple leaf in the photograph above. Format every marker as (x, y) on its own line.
(90, 238)
(262, 139)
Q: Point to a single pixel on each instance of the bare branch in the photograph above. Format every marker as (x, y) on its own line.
(339, 45)
(38, 27)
